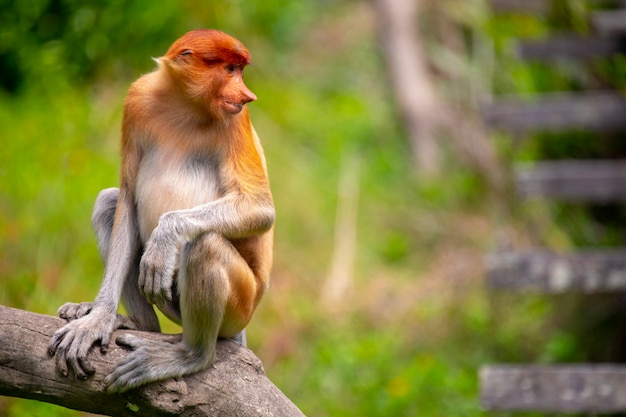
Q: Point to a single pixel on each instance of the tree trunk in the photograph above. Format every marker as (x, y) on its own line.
(410, 79)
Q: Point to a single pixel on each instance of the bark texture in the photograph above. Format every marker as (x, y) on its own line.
(235, 385)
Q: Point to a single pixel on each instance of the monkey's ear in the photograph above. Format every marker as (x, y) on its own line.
(165, 63)
(183, 56)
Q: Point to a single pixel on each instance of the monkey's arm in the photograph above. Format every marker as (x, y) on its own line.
(123, 249)
(234, 216)
(72, 342)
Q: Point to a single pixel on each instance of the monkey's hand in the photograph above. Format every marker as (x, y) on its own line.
(159, 262)
(71, 343)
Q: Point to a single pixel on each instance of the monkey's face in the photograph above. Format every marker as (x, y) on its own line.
(233, 92)
(208, 65)
(217, 88)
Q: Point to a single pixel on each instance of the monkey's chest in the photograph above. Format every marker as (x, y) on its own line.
(166, 183)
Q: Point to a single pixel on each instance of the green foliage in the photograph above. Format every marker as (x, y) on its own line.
(50, 169)
(353, 371)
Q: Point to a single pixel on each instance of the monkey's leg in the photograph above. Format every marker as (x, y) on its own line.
(140, 311)
(71, 343)
(218, 294)
(102, 223)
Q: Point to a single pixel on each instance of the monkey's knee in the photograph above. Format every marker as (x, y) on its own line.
(214, 260)
(208, 244)
(102, 218)
(212, 255)
(205, 258)
(104, 208)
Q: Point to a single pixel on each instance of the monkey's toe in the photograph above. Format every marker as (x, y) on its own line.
(73, 311)
(130, 373)
(128, 341)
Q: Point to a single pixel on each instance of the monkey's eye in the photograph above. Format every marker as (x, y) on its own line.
(230, 68)
(186, 52)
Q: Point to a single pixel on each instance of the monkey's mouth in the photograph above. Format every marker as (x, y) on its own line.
(232, 108)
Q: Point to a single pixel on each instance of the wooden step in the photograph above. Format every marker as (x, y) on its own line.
(593, 181)
(558, 112)
(582, 388)
(570, 47)
(538, 7)
(611, 22)
(551, 273)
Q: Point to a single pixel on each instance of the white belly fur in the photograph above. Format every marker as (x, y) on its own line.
(165, 183)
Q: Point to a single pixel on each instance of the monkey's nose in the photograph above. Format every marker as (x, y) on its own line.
(248, 96)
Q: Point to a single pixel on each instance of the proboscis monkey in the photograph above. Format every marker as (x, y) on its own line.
(190, 229)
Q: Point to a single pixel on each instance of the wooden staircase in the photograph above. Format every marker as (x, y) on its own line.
(570, 388)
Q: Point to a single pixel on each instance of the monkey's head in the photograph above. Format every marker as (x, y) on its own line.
(208, 67)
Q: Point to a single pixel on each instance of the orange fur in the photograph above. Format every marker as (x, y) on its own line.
(203, 131)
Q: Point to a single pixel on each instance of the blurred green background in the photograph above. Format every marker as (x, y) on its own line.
(416, 321)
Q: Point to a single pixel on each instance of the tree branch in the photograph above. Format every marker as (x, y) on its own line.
(235, 385)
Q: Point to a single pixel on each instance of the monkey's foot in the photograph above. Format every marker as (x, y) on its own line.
(153, 361)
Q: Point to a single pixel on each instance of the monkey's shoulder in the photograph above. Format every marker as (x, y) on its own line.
(137, 108)
(147, 96)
